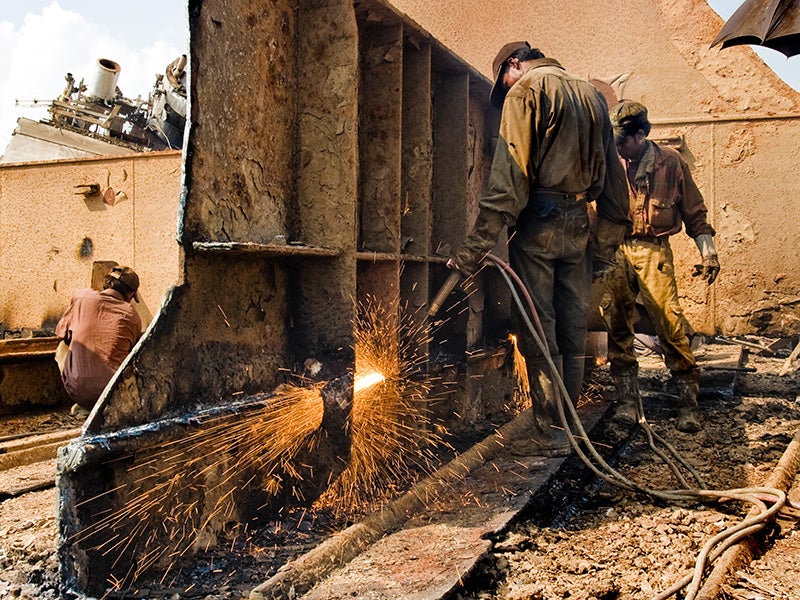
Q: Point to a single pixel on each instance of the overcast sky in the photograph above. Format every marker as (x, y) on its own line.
(42, 40)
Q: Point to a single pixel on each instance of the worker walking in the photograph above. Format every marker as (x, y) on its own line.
(555, 154)
(100, 329)
(663, 198)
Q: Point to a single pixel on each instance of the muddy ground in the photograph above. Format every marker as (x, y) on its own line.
(607, 545)
(621, 545)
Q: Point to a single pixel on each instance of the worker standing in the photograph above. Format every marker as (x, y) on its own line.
(663, 197)
(100, 329)
(555, 154)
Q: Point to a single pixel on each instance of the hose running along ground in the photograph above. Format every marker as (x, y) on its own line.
(766, 501)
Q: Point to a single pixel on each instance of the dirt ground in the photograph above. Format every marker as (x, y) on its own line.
(620, 545)
(627, 546)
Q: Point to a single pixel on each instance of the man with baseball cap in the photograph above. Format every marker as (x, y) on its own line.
(100, 329)
(663, 199)
(554, 156)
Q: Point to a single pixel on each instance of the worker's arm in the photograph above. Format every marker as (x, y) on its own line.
(695, 217)
(613, 204)
(63, 326)
(509, 184)
(709, 267)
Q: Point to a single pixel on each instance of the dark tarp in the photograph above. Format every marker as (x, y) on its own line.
(771, 23)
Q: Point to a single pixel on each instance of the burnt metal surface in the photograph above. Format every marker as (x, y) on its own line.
(335, 154)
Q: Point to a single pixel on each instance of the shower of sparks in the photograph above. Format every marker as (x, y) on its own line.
(166, 482)
(592, 390)
(177, 495)
(393, 437)
(521, 398)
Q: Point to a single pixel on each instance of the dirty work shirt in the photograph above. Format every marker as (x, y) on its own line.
(101, 328)
(663, 198)
(555, 134)
(663, 195)
(556, 150)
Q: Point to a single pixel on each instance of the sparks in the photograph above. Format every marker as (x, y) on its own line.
(522, 390)
(367, 380)
(393, 440)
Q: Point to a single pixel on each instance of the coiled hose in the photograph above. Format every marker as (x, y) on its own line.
(759, 497)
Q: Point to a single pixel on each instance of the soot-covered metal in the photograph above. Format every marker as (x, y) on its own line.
(335, 156)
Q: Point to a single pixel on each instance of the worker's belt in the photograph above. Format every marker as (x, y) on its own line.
(556, 195)
(661, 242)
(544, 203)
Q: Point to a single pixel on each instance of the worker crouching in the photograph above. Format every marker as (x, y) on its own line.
(100, 329)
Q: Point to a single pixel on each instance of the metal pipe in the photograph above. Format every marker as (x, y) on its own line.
(104, 84)
(724, 119)
(449, 285)
(743, 343)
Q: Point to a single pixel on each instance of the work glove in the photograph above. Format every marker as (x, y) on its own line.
(709, 269)
(602, 264)
(481, 240)
(604, 244)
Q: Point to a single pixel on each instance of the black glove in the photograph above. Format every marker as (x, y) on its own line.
(482, 239)
(604, 246)
(602, 263)
(465, 261)
(708, 270)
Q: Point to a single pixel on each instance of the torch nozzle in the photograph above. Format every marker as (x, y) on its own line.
(450, 283)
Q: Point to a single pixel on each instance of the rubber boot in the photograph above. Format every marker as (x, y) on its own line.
(545, 435)
(573, 367)
(626, 407)
(688, 384)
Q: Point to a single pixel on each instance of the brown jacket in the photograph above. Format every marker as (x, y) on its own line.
(663, 195)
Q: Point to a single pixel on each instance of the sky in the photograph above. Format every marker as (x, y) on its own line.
(43, 40)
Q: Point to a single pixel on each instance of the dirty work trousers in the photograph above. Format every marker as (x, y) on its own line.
(645, 267)
(548, 250)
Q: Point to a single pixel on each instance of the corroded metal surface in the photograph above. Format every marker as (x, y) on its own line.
(328, 141)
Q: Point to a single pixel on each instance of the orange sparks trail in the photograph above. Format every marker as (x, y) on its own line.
(393, 439)
(522, 388)
(165, 481)
(367, 380)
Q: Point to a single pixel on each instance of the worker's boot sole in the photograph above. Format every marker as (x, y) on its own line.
(687, 422)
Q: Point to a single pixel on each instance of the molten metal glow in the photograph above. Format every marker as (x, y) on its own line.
(522, 390)
(179, 493)
(367, 380)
